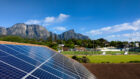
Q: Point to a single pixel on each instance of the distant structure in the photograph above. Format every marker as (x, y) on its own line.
(79, 49)
(137, 44)
(108, 49)
(61, 46)
(104, 53)
(126, 53)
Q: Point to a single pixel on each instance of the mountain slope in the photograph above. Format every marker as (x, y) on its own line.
(70, 34)
(29, 31)
(38, 32)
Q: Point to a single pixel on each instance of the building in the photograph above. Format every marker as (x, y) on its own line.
(108, 49)
(79, 49)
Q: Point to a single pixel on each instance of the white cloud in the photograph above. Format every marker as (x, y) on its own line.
(60, 28)
(94, 32)
(49, 20)
(60, 18)
(113, 36)
(33, 22)
(134, 36)
(134, 26)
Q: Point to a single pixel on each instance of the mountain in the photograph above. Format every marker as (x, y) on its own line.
(72, 35)
(38, 32)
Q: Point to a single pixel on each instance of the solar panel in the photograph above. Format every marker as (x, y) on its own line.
(34, 62)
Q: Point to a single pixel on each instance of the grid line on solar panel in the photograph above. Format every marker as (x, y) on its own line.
(38, 55)
(6, 56)
(76, 70)
(7, 71)
(16, 68)
(44, 48)
(61, 72)
(64, 61)
(60, 65)
(63, 66)
(43, 70)
(16, 59)
(31, 77)
(24, 53)
(43, 75)
(80, 69)
(39, 67)
(24, 57)
(65, 70)
(81, 74)
(32, 53)
(58, 70)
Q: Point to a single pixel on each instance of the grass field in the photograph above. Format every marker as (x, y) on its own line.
(95, 52)
(112, 58)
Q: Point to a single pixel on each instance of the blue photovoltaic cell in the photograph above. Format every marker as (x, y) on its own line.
(32, 53)
(31, 77)
(56, 71)
(44, 75)
(24, 55)
(34, 62)
(7, 72)
(17, 63)
(60, 68)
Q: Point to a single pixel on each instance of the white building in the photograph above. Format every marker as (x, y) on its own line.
(108, 49)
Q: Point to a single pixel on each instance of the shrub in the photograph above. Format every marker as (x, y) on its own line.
(102, 62)
(85, 59)
(121, 62)
(134, 62)
(74, 57)
(80, 60)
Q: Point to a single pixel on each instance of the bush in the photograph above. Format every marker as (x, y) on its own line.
(102, 62)
(121, 62)
(80, 60)
(84, 59)
(134, 62)
(107, 62)
(74, 57)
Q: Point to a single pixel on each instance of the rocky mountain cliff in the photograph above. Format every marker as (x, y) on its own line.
(38, 32)
(70, 34)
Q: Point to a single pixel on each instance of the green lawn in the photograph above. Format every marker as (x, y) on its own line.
(112, 58)
(95, 52)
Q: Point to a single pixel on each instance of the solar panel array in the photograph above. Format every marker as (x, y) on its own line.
(33, 62)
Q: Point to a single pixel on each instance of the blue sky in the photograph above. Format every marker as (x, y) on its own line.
(110, 19)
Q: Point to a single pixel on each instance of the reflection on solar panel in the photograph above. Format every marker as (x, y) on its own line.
(32, 62)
